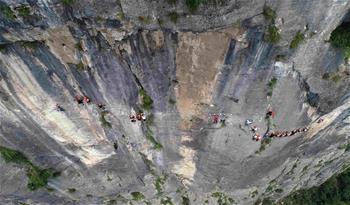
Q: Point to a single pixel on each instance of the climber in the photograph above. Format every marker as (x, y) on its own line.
(270, 113)
(222, 118)
(256, 137)
(79, 99)
(115, 145)
(215, 118)
(139, 116)
(248, 122)
(320, 120)
(86, 99)
(101, 106)
(254, 128)
(143, 116)
(59, 108)
(132, 118)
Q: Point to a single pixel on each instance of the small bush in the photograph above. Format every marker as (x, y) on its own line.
(72, 190)
(280, 58)
(144, 19)
(193, 4)
(336, 78)
(185, 200)
(340, 38)
(37, 177)
(30, 44)
(326, 76)
(80, 66)
(156, 145)
(222, 199)
(137, 196)
(269, 13)
(166, 201)
(160, 181)
(264, 143)
(23, 11)
(103, 120)
(278, 190)
(7, 12)
(272, 34)
(13, 156)
(271, 85)
(171, 101)
(78, 46)
(173, 16)
(120, 16)
(147, 102)
(298, 38)
(68, 2)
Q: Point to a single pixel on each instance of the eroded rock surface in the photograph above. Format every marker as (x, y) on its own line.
(212, 61)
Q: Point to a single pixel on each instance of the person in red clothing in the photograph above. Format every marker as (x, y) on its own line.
(270, 113)
(256, 137)
(86, 99)
(215, 118)
(132, 118)
(79, 99)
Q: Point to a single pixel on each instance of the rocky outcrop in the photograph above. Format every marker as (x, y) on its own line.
(212, 61)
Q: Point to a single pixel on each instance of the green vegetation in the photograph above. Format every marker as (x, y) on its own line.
(295, 165)
(145, 19)
(340, 38)
(298, 38)
(336, 78)
(137, 196)
(254, 193)
(7, 12)
(50, 189)
(80, 66)
(37, 177)
(78, 46)
(120, 16)
(156, 145)
(68, 2)
(272, 186)
(222, 199)
(173, 16)
(160, 181)
(271, 85)
(266, 201)
(278, 190)
(269, 14)
(166, 201)
(147, 102)
(30, 44)
(148, 163)
(185, 200)
(280, 58)
(193, 4)
(335, 191)
(171, 101)
(346, 147)
(326, 76)
(103, 120)
(272, 34)
(263, 144)
(23, 11)
(72, 190)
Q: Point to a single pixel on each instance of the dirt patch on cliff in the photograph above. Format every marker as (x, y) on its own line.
(199, 58)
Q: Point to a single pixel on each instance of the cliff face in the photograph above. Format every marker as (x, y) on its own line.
(214, 60)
